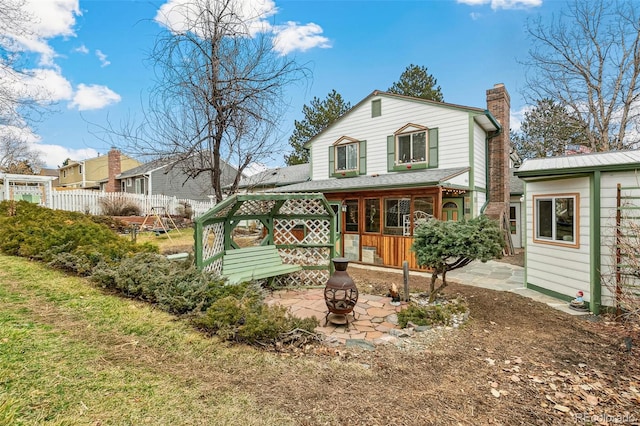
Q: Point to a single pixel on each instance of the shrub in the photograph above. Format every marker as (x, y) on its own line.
(248, 320)
(119, 206)
(69, 240)
(446, 245)
(432, 314)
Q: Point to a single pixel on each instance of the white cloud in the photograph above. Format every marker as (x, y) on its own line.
(103, 58)
(47, 19)
(93, 96)
(503, 4)
(54, 155)
(46, 86)
(516, 117)
(294, 37)
(82, 49)
(175, 15)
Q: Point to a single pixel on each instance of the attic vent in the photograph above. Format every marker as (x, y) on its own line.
(376, 108)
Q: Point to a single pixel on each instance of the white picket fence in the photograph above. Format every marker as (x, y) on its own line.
(86, 201)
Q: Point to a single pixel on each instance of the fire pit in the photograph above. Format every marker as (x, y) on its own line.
(340, 293)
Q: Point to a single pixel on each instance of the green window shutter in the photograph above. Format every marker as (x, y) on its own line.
(391, 153)
(332, 167)
(362, 164)
(433, 147)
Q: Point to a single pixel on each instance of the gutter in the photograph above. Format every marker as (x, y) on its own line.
(486, 160)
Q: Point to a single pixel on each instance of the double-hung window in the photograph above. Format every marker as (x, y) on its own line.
(347, 157)
(412, 148)
(556, 219)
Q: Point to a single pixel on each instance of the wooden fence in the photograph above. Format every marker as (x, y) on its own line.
(86, 201)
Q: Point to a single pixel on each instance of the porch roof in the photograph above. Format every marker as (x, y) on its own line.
(418, 178)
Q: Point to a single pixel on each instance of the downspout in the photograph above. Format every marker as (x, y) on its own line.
(595, 241)
(149, 189)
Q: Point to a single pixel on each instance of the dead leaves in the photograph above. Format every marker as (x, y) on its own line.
(575, 390)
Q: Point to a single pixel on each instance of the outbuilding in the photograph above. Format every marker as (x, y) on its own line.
(577, 207)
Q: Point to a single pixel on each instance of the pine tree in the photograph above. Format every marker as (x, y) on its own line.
(417, 82)
(317, 116)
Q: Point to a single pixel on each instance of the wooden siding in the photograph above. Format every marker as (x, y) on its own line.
(453, 127)
(564, 270)
(393, 250)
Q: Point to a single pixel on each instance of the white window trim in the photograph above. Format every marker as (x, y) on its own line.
(335, 157)
(129, 181)
(575, 243)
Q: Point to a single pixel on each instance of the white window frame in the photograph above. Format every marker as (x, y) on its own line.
(139, 186)
(554, 239)
(347, 146)
(129, 181)
(411, 135)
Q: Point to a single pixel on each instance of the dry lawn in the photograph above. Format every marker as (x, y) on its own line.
(70, 354)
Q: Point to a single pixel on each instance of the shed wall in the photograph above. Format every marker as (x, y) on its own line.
(561, 269)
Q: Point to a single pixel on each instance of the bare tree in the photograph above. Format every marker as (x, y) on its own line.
(219, 93)
(588, 60)
(16, 156)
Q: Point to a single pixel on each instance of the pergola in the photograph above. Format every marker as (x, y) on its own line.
(301, 225)
(33, 188)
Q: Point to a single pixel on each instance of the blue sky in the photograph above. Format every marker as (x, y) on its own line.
(91, 56)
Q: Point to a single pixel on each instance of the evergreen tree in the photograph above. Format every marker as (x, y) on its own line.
(548, 130)
(317, 116)
(417, 82)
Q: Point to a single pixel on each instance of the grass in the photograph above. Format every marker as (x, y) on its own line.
(70, 354)
(175, 241)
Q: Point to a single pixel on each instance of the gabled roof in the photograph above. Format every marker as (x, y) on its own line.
(277, 177)
(483, 118)
(580, 163)
(428, 177)
(144, 168)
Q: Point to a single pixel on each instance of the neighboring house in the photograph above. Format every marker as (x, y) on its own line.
(275, 178)
(51, 173)
(165, 177)
(516, 211)
(88, 174)
(571, 207)
(393, 161)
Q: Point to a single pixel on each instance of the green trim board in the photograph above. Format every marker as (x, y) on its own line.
(578, 170)
(551, 293)
(595, 241)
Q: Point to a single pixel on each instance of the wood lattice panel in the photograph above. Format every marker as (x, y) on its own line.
(212, 244)
(255, 207)
(314, 231)
(304, 278)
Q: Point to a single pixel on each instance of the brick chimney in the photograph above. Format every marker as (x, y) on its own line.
(498, 104)
(114, 165)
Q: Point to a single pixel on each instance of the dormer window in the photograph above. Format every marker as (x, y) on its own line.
(347, 157)
(412, 148)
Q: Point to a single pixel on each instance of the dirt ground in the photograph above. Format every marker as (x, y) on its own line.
(516, 362)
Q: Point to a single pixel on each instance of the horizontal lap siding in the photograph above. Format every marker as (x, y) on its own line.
(560, 269)
(608, 203)
(453, 133)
